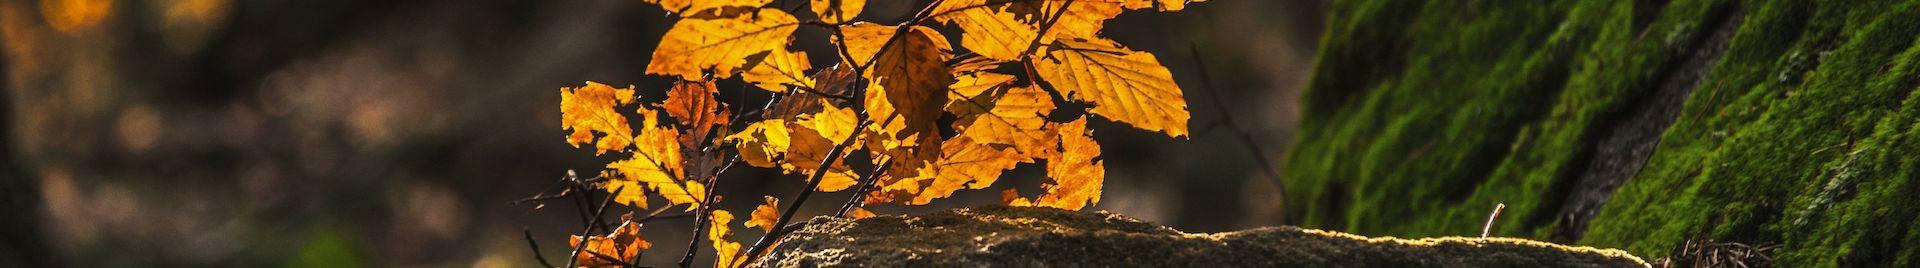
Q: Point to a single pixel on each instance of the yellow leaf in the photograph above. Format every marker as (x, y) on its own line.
(911, 71)
(837, 11)
(966, 164)
(812, 138)
(589, 109)
(1074, 178)
(988, 31)
(697, 6)
(967, 86)
(1123, 85)
(624, 244)
(726, 253)
(765, 215)
(721, 44)
(693, 105)
(832, 122)
(762, 141)
(780, 68)
(656, 165)
(859, 213)
(1015, 117)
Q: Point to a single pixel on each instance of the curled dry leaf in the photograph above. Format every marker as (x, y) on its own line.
(623, 245)
(765, 215)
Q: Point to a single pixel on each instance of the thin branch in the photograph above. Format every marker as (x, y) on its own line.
(536, 248)
(819, 173)
(1035, 45)
(572, 258)
(1260, 155)
(866, 184)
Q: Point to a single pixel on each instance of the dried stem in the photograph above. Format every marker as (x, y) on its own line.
(1259, 155)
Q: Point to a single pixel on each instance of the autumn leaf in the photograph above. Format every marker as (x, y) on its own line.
(698, 6)
(859, 213)
(778, 70)
(761, 142)
(722, 44)
(813, 137)
(765, 215)
(1074, 178)
(838, 11)
(623, 245)
(726, 252)
(1013, 116)
(589, 109)
(987, 29)
(911, 71)
(963, 164)
(692, 104)
(656, 166)
(1123, 85)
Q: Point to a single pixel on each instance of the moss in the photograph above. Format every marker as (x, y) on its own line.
(1802, 134)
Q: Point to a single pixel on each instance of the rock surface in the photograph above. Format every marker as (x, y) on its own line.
(1000, 236)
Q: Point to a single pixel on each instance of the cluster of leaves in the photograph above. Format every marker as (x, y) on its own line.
(927, 120)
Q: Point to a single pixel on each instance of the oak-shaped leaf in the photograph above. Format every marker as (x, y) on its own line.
(656, 166)
(589, 109)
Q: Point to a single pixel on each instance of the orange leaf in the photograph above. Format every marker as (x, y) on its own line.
(859, 213)
(778, 70)
(911, 71)
(761, 142)
(838, 11)
(693, 105)
(655, 166)
(765, 215)
(589, 109)
(1123, 85)
(695, 45)
(813, 137)
(989, 31)
(1074, 178)
(624, 244)
(727, 253)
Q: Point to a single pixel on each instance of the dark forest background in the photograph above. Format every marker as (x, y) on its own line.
(397, 132)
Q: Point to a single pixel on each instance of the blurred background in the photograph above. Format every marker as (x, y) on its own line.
(398, 132)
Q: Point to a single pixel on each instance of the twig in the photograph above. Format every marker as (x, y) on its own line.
(866, 184)
(536, 248)
(837, 153)
(572, 258)
(1273, 175)
(1484, 229)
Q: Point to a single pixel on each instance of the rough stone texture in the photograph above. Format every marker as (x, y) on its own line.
(1000, 236)
(1638, 125)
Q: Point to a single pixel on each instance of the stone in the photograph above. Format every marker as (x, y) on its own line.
(1002, 236)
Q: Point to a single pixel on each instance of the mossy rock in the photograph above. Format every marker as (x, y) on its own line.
(1001, 236)
(1633, 124)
